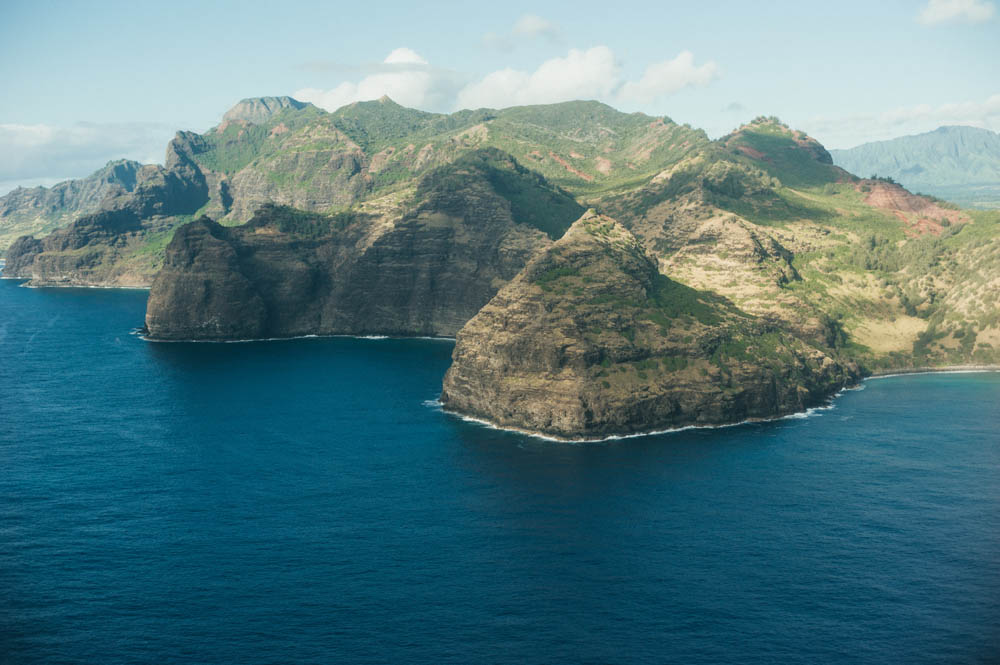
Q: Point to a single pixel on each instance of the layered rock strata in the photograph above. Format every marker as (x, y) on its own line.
(590, 340)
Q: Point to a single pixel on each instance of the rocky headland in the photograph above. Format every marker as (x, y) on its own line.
(590, 340)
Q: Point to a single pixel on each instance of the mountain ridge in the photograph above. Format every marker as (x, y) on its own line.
(954, 162)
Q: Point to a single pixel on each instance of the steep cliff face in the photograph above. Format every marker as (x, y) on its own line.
(422, 269)
(40, 210)
(219, 301)
(110, 247)
(590, 340)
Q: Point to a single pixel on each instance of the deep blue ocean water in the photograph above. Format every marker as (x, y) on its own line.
(297, 501)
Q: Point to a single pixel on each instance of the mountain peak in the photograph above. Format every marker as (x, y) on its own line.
(258, 110)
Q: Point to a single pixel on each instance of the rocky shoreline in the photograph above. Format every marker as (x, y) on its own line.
(828, 403)
(944, 369)
(590, 340)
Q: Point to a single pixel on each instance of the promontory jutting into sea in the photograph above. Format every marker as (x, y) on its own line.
(646, 333)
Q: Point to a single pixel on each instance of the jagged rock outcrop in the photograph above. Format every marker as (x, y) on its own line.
(258, 110)
(425, 272)
(100, 248)
(590, 341)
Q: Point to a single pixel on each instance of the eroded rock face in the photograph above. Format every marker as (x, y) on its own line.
(422, 268)
(40, 210)
(424, 274)
(258, 110)
(99, 248)
(336, 179)
(590, 341)
(205, 273)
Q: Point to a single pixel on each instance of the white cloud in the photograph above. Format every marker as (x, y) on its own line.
(847, 132)
(407, 78)
(667, 77)
(404, 56)
(948, 11)
(528, 28)
(45, 154)
(531, 25)
(590, 74)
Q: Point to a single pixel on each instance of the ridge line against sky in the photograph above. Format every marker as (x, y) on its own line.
(90, 84)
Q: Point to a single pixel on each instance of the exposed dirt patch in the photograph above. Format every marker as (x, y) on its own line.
(226, 123)
(380, 159)
(751, 153)
(424, 156)
(279, 129)
(576, 155)
(602, 165)
(569, 167)
(920, 214)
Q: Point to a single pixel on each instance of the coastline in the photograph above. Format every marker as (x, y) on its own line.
(27, 284)
(795, 415)
(373, 337)
(830, 404)
(945, 369)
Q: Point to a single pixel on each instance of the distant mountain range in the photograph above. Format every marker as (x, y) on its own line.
(960, 164)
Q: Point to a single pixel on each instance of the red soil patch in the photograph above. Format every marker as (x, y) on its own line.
(752, 153)
(279, 129)
(920, 214)
(380, 159)
(569, 167)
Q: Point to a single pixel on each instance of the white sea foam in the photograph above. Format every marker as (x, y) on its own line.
(810, 412)
(281, 339)
(28, 285)
(967, 370)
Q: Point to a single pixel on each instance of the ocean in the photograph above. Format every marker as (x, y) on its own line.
(305, 501)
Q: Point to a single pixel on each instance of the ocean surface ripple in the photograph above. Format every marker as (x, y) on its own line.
(303, 501)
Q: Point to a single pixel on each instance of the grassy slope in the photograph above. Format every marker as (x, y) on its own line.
(866, 281)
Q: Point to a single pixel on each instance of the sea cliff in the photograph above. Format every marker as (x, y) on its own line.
(590, 341)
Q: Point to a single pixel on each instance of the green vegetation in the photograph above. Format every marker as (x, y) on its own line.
(549, 276)
(533, 201)
(237, 145)
(672, 299)
(297, 222)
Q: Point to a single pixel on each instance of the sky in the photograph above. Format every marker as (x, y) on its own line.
(84, 83)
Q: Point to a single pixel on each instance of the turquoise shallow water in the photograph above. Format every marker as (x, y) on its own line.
(298, 501)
